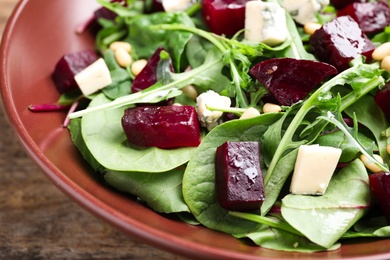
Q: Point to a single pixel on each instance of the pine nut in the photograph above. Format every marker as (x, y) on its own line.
(370, 165)
(123, 57)
(385, 64)
(249, 113)
(311, 27)
(138, 66)
(123, 45)
(381, 51)
(177, 104)
(190, 91)
(271, 108)
(388, 148)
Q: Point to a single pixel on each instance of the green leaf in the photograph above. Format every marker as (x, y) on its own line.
(324, 219)
(121, 82)
(339, 140)
(161, 191)
(277, 239)
(199, 177)
(207, 76)
(140, 32)
(77, 138)
(371, 116)
(104, 136)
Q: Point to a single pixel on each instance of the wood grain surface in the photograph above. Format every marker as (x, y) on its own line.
(37, 221)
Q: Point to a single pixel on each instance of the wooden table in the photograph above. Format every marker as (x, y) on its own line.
(37, 221)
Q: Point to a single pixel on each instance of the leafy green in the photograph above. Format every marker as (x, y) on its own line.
(199, 177)
(141, 32)
(324, 219)
(339, 140)
(121, 80)
(104, 136)
(205, 76)
(363, 78)
(161, 191)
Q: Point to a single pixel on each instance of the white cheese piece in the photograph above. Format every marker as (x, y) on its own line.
(94, 77)
(210, 98)
(304, 11)
(265, 22)
(176, 5)
(313, 169)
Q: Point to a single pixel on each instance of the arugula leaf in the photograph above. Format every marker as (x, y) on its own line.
(205, 76)
(363, 78)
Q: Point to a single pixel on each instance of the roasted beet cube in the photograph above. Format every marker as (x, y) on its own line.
(382, 98)
(148, 76)
(283, 77)
(340, 41)
(239, 178)
(338, 4)
(163, 127)
(68, 66)
(372, 17)
(224, 16)
(380, 185)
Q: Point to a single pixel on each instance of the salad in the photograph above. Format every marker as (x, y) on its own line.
(289, 92)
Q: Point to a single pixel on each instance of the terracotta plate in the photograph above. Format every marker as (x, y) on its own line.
(38, 34)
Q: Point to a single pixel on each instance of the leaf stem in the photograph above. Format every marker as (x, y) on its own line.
(275, 223)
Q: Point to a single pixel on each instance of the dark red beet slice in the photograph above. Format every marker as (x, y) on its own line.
(380, 185)
(291, 80)
(338, 4)
(163, 127)
(382, 99)
(224, 16)
(68, 66)
(340, 41)
(148, 76)
(372, 17)
(239, 178)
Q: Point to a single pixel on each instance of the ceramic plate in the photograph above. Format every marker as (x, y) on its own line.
(37, 35)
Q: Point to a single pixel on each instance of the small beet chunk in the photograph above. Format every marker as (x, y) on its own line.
(162, 126)
(380, 185)
(224, 17)
(148, 75)
(372, 17)
(283, 77)
(68, 66)
(382, 98)
(340, 41)
(239, 178)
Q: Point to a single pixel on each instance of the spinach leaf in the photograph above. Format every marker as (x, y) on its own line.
(103, 134)
(371, 116)
(324, 219)
(146, 40)
(199, 177)
(121, 82)
(161, 191)
(276, 239)
(77, 138)
(369, 227)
